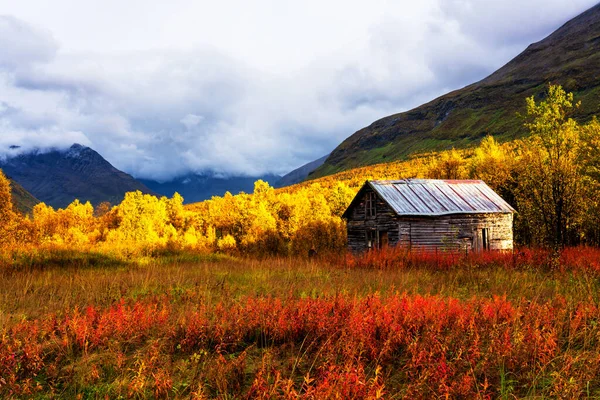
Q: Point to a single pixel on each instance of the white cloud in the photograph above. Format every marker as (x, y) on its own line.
(191, 120)
(238, 87)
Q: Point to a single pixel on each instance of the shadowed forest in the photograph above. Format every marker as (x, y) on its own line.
(219, 299)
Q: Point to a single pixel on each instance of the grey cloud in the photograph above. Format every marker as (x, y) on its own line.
(23, 45)
(6, 110)
(510, 23)
(160, 114)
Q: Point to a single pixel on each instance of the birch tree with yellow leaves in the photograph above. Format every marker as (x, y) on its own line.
(551, 181)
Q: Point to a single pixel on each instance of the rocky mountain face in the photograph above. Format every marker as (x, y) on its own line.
(58, 177)
(570, 56)
(198, 187)
(300, 173)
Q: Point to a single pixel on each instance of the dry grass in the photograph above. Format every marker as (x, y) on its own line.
(39, 287)
(243, 349)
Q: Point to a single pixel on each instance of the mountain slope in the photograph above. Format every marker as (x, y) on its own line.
(58, 177)
(570, 56)
(22, 200)
(196, 187)
(300, 173)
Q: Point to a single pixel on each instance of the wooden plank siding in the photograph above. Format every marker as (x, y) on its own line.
(358, 224)
(457, 232)
(452, 232)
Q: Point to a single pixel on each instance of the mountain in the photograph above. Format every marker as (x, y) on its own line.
(198, 187)
(300, 173)
(570, 56)
(22, 200)
(58, 177)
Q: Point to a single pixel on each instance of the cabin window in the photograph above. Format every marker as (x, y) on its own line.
(485, 238)
(370, 205)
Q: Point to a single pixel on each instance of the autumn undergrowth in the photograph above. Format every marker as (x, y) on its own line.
(390, 324)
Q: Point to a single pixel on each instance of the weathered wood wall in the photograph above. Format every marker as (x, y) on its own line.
(384, 220)
(456, 232)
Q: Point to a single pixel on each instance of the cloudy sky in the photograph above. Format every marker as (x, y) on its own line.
(162, 88)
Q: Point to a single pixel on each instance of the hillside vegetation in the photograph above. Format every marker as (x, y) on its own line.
(570, 57)
(22, 200)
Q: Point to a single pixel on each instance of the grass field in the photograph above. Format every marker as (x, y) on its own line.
(388, 325)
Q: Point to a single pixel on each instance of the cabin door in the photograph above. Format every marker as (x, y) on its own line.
(383, 239)
(481, 239)
(371, 237)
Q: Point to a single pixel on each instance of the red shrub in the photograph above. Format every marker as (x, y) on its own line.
(432, 346)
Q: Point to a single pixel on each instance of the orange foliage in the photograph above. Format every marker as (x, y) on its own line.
(434, 347)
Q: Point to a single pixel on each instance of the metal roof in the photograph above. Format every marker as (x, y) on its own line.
(431, 197)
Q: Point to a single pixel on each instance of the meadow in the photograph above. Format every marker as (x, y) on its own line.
(388, 324)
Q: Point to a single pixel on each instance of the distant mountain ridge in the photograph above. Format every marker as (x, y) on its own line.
(198, 187)
(300, 173)
(57, 177)
(570, 56)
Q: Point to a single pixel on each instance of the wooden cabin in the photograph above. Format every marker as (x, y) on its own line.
(429, 214)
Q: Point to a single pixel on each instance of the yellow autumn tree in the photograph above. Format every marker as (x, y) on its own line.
(73, 226)
(590, 160)
(45, 222)
(449, 165)
(142, 221)
(492, 163)
(8, 218)
(550, 180)
(225, 214)
(339, 198)
(79, 224)
(176, 214)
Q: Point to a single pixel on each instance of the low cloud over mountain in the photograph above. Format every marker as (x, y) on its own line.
(168, 91)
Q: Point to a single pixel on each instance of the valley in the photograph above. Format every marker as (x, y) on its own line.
(214, 285)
